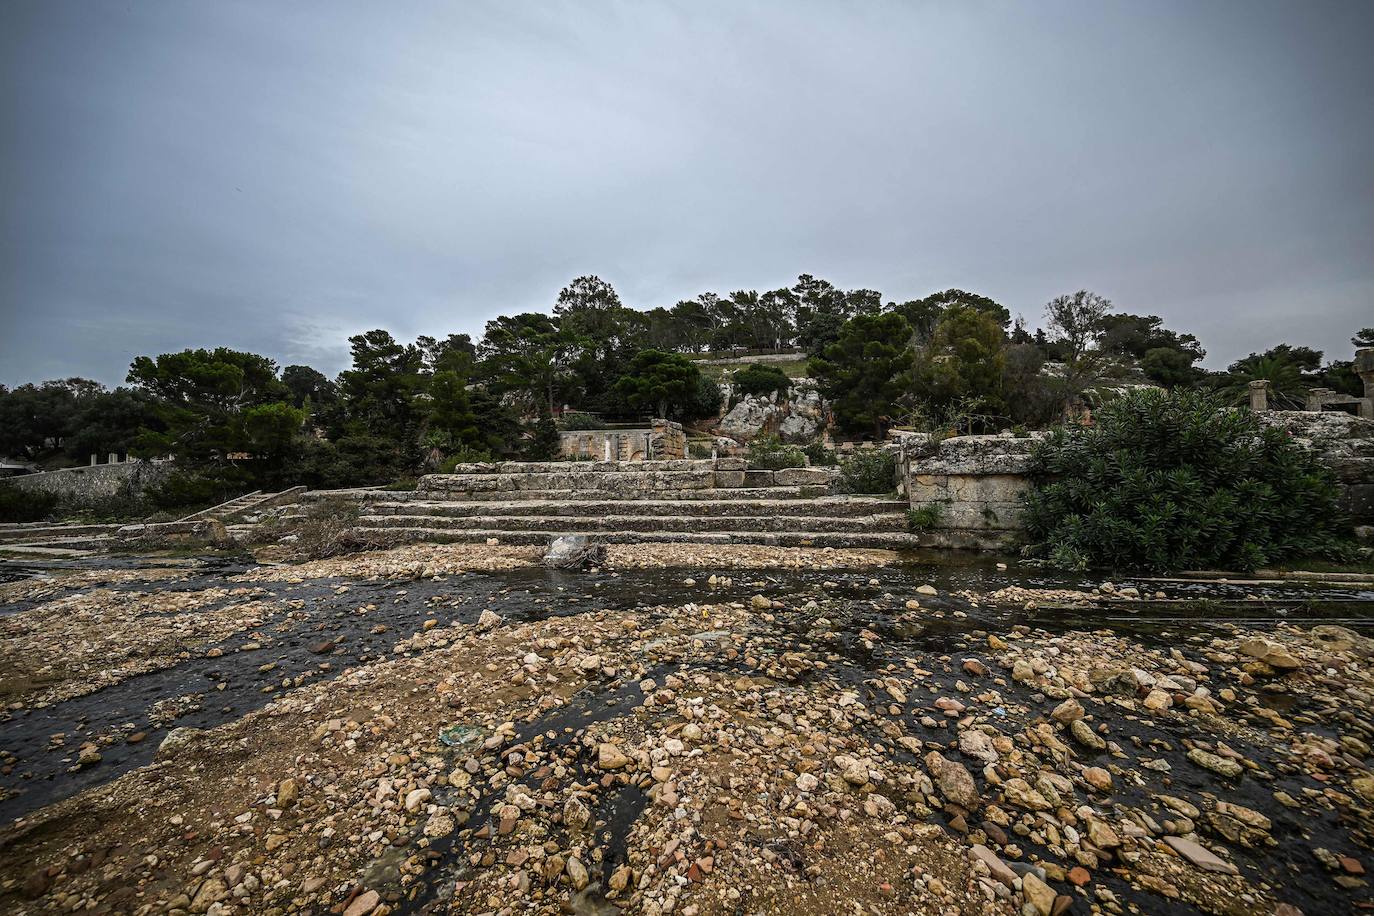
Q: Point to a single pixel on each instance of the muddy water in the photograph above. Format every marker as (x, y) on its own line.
(327, 636)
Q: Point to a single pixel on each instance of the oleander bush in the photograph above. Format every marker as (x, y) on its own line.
(1175, 480)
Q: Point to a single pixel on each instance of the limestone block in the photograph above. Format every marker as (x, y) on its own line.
(793, 477)
(729, 479)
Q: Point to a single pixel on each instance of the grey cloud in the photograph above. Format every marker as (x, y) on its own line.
(275, 176)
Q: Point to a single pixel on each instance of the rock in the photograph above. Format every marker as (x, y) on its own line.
(1364, 787)
(976, 668)
(1018, 792)
(37, 883)
(996, 867)
(177, 741)
(927, 590)
(1098, 778)
(440, 824)
(576, 814)
(610, 757)
(211, 891)
(488, 620)
(577, 873)
(977, 745)
(363, 904)
(1272, 654)
(1158, 700)
(417, 797)
(807, 782)
(1084, 735)
(1210, 761)
(1038, 894)
(1200, 856)
(1101, 835)
(760, 603)
(287, 792)
(953, 780)
(1117, 681)
(1068, 711)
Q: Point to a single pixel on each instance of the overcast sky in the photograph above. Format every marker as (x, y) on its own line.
(276, 176)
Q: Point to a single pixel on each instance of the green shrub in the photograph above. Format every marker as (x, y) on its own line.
(760, 380)
(819, 455)
(18, 505)
(576, 420)
(923, 518)
(868, 471)
(1172, 480)
(465, 454)
(768, 453)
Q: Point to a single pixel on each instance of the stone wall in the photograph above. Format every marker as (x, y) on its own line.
(663, 440)
(1345, 444)
(667, 479)
(977, 481)
(94, 482)
(974, 483)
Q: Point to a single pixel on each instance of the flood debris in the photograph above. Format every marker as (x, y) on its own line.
(887, 741)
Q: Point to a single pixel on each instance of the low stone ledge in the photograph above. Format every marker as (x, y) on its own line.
(206, 532)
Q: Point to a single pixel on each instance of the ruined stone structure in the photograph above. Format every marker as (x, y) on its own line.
(976, 483)
(1319, 399)
(971, 486)
(658, 440)
(707, 501)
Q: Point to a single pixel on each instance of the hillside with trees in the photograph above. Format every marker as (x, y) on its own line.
(953, 361)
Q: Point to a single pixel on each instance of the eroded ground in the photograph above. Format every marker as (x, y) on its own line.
(767, 731)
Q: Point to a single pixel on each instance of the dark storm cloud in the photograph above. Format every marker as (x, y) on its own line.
(277, 176)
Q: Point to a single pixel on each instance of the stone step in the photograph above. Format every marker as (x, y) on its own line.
(42, 532)
(829, 506)
(892, 523)
(876, 540)
(557, 495)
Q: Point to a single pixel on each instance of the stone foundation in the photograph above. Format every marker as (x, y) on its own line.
(974, 482)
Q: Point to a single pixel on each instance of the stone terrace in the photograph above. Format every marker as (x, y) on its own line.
(712, 501)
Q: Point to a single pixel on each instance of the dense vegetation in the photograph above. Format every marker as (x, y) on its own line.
(1166, 481)
(951, 362)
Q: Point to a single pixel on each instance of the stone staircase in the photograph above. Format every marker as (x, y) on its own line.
(715, 501)
(246, 506)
